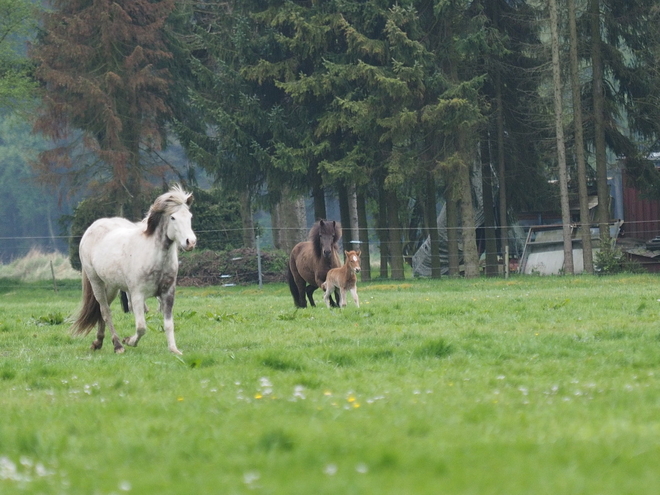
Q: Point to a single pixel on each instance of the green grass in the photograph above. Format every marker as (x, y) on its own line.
(527, 385)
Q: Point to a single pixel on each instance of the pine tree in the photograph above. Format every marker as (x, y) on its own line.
(623, 43)
(510, 141)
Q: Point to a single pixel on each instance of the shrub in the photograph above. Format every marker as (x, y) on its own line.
(610, 260)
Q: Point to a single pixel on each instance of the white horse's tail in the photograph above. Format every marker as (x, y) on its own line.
(90, 312)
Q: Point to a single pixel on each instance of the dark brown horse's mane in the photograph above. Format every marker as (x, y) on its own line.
(324, 227)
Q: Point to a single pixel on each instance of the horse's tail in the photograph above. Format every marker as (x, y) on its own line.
(90, 312)
(292, 285)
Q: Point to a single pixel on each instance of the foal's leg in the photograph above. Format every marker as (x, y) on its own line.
(328, 287)
(342, 297)
(356, 299)
(335, 302)
(140, 321)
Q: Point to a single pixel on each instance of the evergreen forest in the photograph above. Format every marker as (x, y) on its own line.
(401, 112)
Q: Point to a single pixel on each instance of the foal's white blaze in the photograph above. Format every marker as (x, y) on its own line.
(179, 229)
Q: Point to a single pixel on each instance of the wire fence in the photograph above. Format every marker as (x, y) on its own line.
(249, 263)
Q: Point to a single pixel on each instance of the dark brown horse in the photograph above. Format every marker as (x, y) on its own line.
(311, 260)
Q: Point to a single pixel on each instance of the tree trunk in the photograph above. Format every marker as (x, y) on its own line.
(344, 213)
(395, 248)
(383, 234)
(431, 224)
(363, 235)
(353, 216)
(468, 230)
(452, 232)
(599, 124)
(501, 164)
(247, 219)
(489, 209)
(561, 148)
(585, 220)
(318, 193)
(289, 225)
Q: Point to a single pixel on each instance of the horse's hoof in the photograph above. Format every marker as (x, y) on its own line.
(119, 350)
(127, 341)
(96, 346)
(176, 351)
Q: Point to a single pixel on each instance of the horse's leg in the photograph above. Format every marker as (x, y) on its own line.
(100, 335)
(310, 291)
(326, 295)
(300, 285)
(335, 302)
(140, 321)
(302, 290)
(303, 298)
(356, 299)
(296, 281)
(342, 297)
(167, 303)
(104, 300)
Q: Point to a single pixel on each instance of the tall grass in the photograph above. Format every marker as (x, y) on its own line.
(37, 265)
(527, 385)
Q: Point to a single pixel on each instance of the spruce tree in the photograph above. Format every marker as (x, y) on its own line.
(623, 45)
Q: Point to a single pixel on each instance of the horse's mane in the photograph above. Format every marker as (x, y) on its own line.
(165, 205)
(324, 227)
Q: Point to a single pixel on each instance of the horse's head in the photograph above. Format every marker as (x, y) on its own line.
(179, 228)
(353, 260)
(327, 235)
(172, 209)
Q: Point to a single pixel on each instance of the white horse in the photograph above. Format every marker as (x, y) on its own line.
(139, 258)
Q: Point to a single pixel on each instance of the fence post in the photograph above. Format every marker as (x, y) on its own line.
(259, 262)
(52, 271)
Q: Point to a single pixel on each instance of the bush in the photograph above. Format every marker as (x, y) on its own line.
(610, 260)
(203, 268)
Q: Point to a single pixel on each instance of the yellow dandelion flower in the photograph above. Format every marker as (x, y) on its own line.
(258, 396)
(180, 399)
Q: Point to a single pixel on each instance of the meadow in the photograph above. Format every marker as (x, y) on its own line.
(489, 386)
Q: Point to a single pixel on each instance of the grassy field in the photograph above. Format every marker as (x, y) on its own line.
(521, 386)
